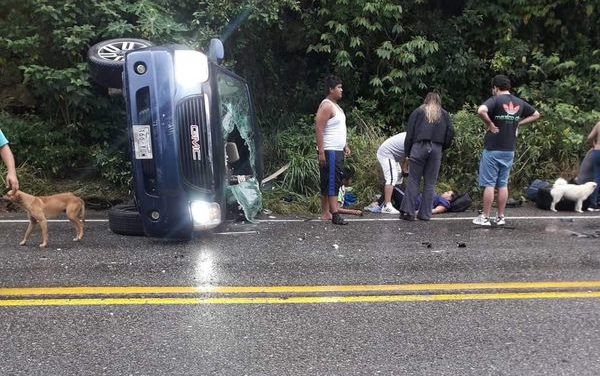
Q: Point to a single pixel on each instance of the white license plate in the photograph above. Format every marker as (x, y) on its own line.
(142, 142)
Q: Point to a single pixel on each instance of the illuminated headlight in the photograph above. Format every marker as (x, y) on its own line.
(191, 68)
(205, 214)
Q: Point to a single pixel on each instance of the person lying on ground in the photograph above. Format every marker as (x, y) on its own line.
(441, 203)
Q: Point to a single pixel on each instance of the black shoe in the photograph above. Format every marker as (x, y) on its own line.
(337, 219)
(407, 217)
(422, 219)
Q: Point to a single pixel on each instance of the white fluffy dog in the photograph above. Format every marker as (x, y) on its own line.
(573, 192)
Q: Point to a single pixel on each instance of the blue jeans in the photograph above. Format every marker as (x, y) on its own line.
(596, 169)
(494, 168)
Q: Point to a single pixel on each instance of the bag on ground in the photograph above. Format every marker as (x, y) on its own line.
(460, 203)
(532, 190)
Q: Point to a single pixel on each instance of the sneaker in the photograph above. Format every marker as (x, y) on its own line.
(482, 221)
(373, 208)
(389, 209)
(337, 219)
(500, 221)
(593, 209)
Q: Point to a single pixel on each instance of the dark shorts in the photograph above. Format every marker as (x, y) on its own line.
(331, 174)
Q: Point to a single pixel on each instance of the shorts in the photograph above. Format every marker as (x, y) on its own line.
(390, 169)
(331, 174)
(494, 168)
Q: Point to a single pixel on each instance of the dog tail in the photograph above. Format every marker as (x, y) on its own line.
(560, 181)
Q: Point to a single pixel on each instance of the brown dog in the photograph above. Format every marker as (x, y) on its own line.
(43, 207)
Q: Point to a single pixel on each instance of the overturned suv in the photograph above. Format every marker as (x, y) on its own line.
(193, 138)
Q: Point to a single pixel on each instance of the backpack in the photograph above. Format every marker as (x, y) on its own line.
(532, 191)
(460, 203)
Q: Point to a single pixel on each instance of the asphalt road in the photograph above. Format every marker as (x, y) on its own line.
(291, 296)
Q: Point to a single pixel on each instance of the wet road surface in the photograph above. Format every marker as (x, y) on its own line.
(297, 297)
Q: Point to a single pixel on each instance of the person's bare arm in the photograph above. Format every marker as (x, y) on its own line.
(530, 119)
(594, 137)
(439, 209)
(404, 165)
(482, 112)
(349, 211)
(323, 114)
(12, 182)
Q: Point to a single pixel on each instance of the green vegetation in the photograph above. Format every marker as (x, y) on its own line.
(389, 54)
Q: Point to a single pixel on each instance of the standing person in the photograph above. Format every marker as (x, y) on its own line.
(330, 130)
(586, 168)
(594, 139)
(390, 152)
(12, 182)
(502, 114)
(429, 131)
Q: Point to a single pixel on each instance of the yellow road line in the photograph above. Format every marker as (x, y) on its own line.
(300, 300)
(137, 290)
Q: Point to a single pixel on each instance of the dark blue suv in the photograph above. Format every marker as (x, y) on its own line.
(192, 134)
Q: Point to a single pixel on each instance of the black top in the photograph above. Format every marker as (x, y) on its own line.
(505, 111)
(419, 129)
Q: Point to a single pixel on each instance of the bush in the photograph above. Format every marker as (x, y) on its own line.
(35, 143)
(112, 165)
(460, 164)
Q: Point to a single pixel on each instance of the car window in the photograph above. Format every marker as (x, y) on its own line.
(237, 121)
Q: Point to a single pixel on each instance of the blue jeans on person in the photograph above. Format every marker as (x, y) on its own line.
(424, 162)
(494, 168)
(596, 169)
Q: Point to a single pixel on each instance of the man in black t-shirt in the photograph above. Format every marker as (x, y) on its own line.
(502, 113)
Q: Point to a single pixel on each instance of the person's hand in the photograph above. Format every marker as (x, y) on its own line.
(322, 161)
(493, 128)
(347, 151)
(12, 182)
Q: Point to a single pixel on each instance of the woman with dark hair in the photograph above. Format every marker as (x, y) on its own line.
(429, 131)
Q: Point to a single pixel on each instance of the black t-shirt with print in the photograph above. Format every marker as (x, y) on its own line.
(506, 111)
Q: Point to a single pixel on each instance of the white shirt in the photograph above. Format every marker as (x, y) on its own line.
(334, 134)
(393, 147)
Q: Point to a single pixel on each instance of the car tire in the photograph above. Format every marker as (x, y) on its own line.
(124, 219)
(106, 59)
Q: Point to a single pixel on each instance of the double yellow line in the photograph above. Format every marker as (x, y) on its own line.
(178, 295)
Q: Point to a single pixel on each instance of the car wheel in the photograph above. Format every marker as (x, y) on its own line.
(106, 59)
(124, 219)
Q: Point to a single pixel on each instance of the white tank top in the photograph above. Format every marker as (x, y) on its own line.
(334, 134)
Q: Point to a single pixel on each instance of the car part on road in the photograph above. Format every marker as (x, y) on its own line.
(106, 60)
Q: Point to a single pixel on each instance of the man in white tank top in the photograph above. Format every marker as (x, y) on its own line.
(330, 130)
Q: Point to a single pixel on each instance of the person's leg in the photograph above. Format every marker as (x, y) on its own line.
(387, 194)
(323, 185)
(430, 176)
(390, 174)
(325, 214)
(596, 169)
(416, 164)
(502, 199)
(488, 172)
(504, 161)
(335, 164)
(488, 199)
